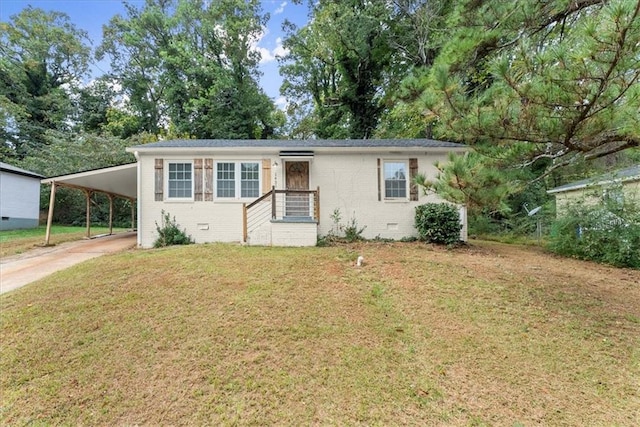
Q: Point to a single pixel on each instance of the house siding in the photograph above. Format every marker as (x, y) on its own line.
(593, 194)
(204, 220)
(19, 201)
(293, 234)
(347, 181)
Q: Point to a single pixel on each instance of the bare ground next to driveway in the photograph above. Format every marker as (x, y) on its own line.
(20, 270)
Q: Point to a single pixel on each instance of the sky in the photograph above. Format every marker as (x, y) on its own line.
(91, 15)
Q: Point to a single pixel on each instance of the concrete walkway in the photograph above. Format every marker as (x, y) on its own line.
(19, 270)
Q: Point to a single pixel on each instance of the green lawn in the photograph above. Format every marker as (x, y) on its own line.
(488, 334)
(14, 242)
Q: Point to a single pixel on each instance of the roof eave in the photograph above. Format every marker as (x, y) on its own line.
(593, 184)
(22, 173)
(277, 149)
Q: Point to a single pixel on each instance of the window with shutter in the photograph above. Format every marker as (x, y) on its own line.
(180, 180)
(394, 179)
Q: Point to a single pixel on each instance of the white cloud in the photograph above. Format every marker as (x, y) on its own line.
(280, 9)
(267, 55)
(280, 51)
(281, 102)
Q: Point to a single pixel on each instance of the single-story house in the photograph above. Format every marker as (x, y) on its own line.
(19, 198)
(284, 192)
(623, 184)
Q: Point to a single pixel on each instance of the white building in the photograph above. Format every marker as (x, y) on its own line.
(284, 192)
(19, 198)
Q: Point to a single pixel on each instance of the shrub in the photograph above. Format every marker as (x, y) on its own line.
(438, 223)
(351, 231)
(599, 233)
(339, 232)
(169, 233)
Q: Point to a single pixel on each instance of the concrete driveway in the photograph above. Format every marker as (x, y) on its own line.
(20, 270)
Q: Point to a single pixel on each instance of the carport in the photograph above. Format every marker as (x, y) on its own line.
(117, 181)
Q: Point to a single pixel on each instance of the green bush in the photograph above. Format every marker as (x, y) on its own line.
(169, 233)
(438, 223)
(353, 233)
(599, 233)
(342, 233)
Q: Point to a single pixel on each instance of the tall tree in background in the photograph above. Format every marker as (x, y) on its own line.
(418, 30)
(555, 82)
(191, 63)
(337, 65)
(93, 103)
(135, 60)
(42, 58)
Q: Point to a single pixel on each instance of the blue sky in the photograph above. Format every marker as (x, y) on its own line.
(90, 15)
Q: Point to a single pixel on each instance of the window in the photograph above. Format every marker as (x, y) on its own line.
(237, 178)
(395, 180)
(249, 180)
(180, 180)
(226, 180)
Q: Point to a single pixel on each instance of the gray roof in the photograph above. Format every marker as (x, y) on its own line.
(629, 174)
(306, 143)
(5, 167)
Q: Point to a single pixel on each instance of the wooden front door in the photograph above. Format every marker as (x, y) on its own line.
(297, 178)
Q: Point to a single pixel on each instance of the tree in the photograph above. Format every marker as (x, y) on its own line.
(418, 28)
(70, 152)
(190, 65)
(93, 104)
(530, 82)
(42, 57)
(470, 180)
(337, 66)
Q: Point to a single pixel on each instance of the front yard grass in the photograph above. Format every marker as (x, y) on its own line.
(488, 334)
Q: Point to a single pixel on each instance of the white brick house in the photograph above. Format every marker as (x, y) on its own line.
(234, 190)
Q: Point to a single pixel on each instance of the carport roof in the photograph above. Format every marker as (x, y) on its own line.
(117, 180)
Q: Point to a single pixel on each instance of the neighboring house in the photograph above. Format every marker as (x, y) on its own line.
(19, 198)
(284, 192)
(620, 185)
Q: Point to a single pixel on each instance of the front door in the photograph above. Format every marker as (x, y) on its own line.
(297, 178)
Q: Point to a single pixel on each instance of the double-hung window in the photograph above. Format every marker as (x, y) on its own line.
(249, 179)
(237, 180)
(395, 179)
(226, 180)
(180, 180)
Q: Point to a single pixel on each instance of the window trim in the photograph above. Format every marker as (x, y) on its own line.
(237, 180)
(168, 196)
(407, 183)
